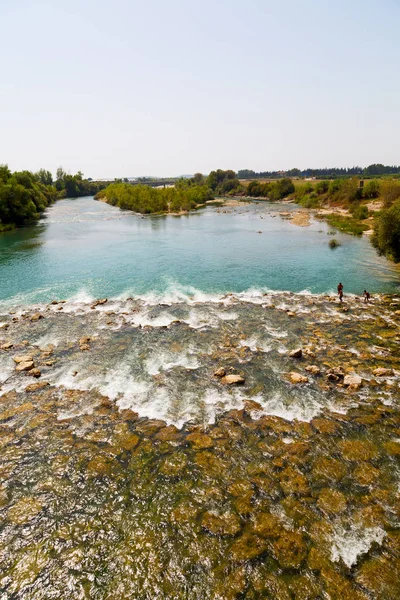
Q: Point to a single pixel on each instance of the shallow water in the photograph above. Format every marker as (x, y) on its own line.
(129, 470)
(98, 501)
(89, 248)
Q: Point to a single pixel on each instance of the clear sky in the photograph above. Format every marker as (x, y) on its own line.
(155, 87)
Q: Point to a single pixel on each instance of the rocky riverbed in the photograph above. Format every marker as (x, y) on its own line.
(244, 446)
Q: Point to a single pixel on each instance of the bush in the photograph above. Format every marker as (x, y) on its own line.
(146, 200)
(322, 187)
(386, 237)
(390, 190)
(371, 189)
(360, 212)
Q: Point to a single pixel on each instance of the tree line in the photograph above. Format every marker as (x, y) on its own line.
(25, 195)
(374, 170)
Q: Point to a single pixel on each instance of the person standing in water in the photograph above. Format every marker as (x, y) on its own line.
(340, 291)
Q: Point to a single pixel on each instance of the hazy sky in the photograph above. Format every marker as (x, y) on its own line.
(127, 87)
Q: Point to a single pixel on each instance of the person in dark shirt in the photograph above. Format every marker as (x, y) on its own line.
(367, 296)
(340, 291)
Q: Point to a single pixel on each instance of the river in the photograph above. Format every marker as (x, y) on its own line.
(87, 248)
(203, 432)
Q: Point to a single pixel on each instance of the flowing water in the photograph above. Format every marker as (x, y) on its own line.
(87, 247)
(130, 470)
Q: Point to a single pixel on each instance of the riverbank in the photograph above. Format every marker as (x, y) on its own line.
(253, 439)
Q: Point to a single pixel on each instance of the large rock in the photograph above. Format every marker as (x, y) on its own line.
(25, 366)
(298, 353)
(23, 358)
(353, 381)
(382, 372)
(36, 317)
(7, 346)
(297, 378)
(233, 380)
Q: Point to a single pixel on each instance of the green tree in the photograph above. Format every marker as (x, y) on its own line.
(386, 237)
(44, 177)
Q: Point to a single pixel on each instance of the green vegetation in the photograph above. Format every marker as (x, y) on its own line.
(222, 183)
(23, 197)
(386, 237)
(74, 186)
(345, 224)
(147, 200)
(273, 191)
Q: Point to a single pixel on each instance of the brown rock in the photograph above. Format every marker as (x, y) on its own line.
(331, 501)
(353, 381)
(220, 372)
(36, 317)
(298, 353)
(25, 366)
(35, 387)
(313, 369)
(7, 346)
(382, 372)
(225, 524)
(233, 380)
(200, 440)
(23, 358)
(297, 378)
(247, 547)
(34, 372)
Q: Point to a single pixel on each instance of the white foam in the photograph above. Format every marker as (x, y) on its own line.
(349, 544)
(305, 408)
(255, 344)
(166, 360)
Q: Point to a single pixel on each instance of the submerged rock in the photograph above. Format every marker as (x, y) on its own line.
(200, 440)
(382, 372)
(24, 510)
(290, 549)
(246, 547)
(331, 501)
(35, 387)
(226, 524)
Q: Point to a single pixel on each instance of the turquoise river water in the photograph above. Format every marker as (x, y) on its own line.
(87, 248)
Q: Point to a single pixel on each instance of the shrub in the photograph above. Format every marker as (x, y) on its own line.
(360, 212)
(371, 189)
(322, 187)
(386, 237)
(390, 190)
